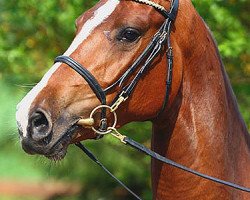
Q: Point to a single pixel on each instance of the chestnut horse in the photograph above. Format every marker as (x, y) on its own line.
(201, 126)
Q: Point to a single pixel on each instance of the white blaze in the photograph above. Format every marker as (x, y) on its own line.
(99, 16)
(22, 114)
(102, 13)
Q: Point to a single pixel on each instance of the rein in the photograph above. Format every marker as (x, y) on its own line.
(160, 39)
(128, 141)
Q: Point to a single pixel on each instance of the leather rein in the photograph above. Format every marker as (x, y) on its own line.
(141, 65)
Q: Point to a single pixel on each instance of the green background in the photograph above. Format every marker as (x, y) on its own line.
(33, 33)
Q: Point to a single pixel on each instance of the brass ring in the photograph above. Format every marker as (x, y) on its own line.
(109, 129)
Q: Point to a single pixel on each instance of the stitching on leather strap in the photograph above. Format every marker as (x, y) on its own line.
(151, 3)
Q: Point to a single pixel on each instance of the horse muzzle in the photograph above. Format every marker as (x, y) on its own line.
(48, 137)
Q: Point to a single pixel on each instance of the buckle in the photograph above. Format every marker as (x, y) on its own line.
(170, 53)
(118, 102)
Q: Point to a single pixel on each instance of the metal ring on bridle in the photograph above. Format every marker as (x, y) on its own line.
(109, 129)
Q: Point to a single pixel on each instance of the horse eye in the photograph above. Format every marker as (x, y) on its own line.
(128, 35)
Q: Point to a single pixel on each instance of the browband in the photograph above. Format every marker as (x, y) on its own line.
(151, 3)
(171, 15)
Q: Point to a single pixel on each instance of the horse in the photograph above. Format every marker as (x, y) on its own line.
(199, 125)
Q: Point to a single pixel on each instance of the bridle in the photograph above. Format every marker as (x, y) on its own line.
(161, 38)
(140, 65)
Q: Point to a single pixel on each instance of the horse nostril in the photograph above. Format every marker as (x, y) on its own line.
(40, 125)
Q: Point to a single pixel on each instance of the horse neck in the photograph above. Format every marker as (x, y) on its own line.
(203, 128)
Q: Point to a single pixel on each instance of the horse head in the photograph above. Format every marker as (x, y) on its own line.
(109, 38)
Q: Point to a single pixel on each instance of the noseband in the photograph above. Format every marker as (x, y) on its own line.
(160, 39)
(141, 64)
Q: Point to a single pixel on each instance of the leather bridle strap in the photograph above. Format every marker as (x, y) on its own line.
(145, 150)
(151, 52)
(157, 37)
(137, 62)
(171, 15)
(94, 159)
(92, 82)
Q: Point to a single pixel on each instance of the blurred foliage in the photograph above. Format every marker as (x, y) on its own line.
(33, 32)
(30, 34)
(230, 25)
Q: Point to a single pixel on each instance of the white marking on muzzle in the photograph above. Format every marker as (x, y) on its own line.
(23, 108)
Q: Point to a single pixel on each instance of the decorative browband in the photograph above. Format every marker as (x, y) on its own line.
(151, 3)
(171, 14)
